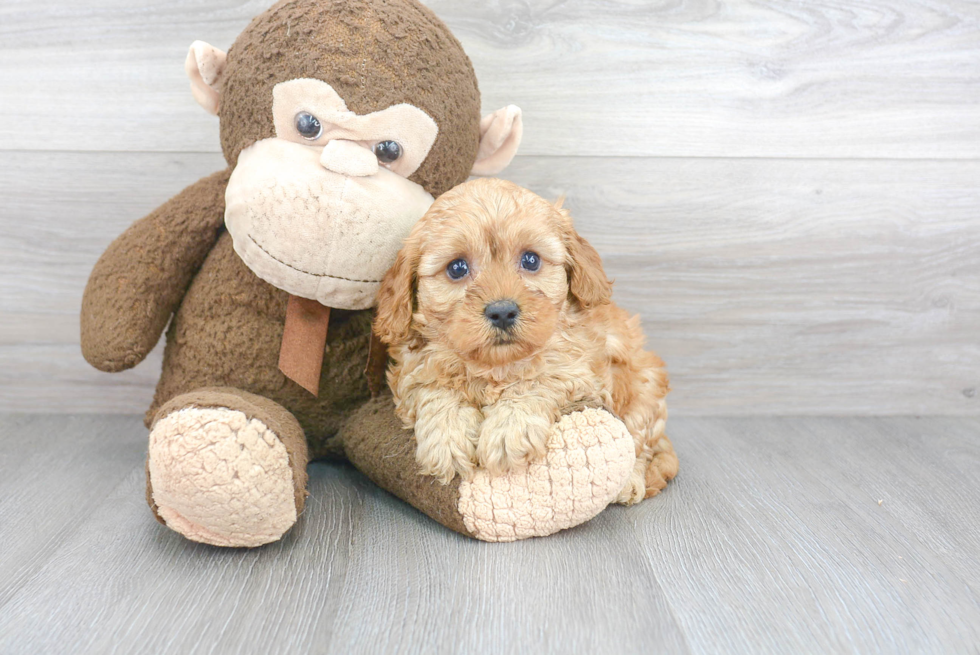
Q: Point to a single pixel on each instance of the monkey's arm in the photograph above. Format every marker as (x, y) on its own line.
(141, 278)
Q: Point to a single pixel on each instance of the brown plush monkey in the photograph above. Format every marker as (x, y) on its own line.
(340, 121)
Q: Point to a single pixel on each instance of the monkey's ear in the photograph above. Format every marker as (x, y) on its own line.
(500, 136)
(393, 321)
(205, 66)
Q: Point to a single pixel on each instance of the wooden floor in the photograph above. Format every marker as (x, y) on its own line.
(780, 535)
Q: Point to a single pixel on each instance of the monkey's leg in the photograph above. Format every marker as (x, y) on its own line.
(590, 456)
(226, 467)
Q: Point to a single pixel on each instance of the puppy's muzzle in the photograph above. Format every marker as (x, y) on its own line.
(502, 314)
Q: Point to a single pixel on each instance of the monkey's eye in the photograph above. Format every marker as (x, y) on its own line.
(457, 269)
(530, 261)
(308, 125)
(387, 151)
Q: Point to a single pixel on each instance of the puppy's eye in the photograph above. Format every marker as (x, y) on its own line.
(387, 151)
(530, 261)
(457, 269)
(308, 125)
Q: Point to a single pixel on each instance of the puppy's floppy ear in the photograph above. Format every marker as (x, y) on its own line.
(587, 281)
(393, 320)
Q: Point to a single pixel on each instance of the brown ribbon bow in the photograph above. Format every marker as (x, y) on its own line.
(304, 339)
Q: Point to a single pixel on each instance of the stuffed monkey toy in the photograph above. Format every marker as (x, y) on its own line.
(340, 122)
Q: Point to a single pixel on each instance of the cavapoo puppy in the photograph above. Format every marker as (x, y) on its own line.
(499, 318)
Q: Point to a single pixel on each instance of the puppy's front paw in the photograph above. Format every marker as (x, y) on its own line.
(447, 443)
(511, 436)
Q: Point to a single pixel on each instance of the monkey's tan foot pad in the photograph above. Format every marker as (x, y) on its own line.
(589, 460)
(219, 477)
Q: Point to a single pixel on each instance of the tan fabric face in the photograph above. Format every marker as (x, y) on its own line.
(408, 126)
(315, 233)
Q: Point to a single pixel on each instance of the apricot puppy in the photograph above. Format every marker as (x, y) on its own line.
(499, 319)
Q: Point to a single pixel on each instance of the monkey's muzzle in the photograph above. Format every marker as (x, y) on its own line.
(316, 233)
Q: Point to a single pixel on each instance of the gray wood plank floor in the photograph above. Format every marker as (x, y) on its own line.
(780, 535)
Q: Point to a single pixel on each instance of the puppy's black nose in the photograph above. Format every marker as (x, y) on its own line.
(502, 313)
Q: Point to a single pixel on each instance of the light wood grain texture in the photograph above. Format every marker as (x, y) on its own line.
(631, 77)
(771, 540)
(589, 590)
(51, 474)
(827, 280)
(769, 286)
(787, 515)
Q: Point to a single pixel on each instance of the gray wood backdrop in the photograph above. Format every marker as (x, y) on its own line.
(789, 193)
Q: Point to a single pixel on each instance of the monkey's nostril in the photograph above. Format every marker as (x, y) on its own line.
(502, 314)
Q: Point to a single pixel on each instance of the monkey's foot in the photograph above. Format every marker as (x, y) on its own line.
(590, 457)
(218, 472)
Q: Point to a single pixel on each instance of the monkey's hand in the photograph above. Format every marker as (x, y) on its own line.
(141, 277)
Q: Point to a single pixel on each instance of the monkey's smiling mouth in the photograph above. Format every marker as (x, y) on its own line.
(300, 270)
(314, 233)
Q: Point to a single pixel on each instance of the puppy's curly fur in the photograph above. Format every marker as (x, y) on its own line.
(483, 390)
